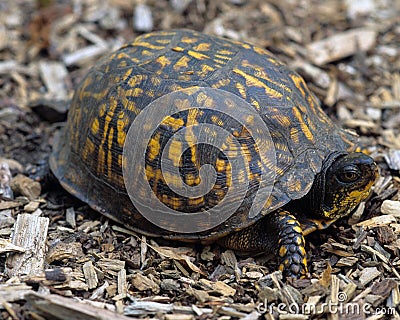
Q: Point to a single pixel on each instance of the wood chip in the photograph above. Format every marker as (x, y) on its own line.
(90, 275)
(143, 283)
(30, 233)
(63, 250)
(54, 75)
(25, 186)
(171, 253)
(378, 221)
(341, 45)
(57, 307)
(7, 246)
(122, 284)
(218, 286)
(368, 274)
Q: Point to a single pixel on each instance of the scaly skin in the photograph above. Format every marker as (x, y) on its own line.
(281, 233)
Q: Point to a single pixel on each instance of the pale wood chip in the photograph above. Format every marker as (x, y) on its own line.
(11, 292)
(111, 266)
(219, 287)
(81, 56)
(122, 284)
(57, 307)
(54, 75)
(99, 292)
(383, 220)
(90, 275)
(341, 45)
(369, 274)
(143, 283)
(70, 217)
(172, 254)
(7, 246)
(347, 262)
(30, 233)
(31, 206)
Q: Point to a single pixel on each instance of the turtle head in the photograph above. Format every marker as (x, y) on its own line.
(344, 181)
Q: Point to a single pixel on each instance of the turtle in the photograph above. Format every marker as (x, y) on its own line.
(193, 137)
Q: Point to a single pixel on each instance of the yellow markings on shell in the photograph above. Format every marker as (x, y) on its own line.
(178, 49)
(197, 55)
(100, 160)
(120, 160)
(306, 130)
(173, 180)
(109, 152)
(294, 135)
(122, 122)
(283, 120)
(95, 126)
(221, 83)
(88, 149)
(204, 46)
(220, 62)
(174, 123)
(217, 120)
(147, 53)
(127, 74)
(163, 61)
(224, 52)
(260, 73)
(299, 83)
(205, 69)
(262, 51)
(219, 57)
(136, 80)
(189, 40)
(154, 147)
(182, 63)
(175, 151)
(206, 100)
(242, 89)
(196, 201)
(147, 45)
(192, 180)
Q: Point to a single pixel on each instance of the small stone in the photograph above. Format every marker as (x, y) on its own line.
(143, 18)
(374, 113)
(5, 179)
(169, 285)
(180, 5)
(393, 159)
(359, 8)
(391, 207)
(254, 275)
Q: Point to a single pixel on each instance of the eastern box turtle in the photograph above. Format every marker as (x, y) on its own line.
(197, 138)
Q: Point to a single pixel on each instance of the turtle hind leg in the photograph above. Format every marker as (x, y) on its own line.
(278, 233)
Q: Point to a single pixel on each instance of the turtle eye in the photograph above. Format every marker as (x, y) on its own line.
(350, 173)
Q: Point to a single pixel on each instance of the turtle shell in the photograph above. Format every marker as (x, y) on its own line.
(221, 84)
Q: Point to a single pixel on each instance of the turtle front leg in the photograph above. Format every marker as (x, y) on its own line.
(278, 233)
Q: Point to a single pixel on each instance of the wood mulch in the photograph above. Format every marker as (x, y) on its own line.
(61, 260)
